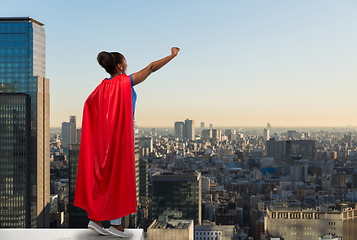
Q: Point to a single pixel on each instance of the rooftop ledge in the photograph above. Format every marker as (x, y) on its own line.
(62, 234)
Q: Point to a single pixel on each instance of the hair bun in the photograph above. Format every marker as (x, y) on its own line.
(105, 59)
(109, 60)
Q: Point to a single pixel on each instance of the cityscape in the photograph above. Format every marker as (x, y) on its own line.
(195, 180)
(237, 183)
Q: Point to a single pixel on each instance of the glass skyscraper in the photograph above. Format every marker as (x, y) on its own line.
(78, 218)
(177, 192)
(24, 127)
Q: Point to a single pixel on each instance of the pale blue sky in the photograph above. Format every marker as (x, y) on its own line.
(242, 63)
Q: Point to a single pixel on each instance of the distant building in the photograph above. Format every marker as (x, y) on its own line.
(179, 130)
(79, 132)
(338, 179)
(73, 130)
(202, 125)
(266, 136)
(181, 192)
(347, 138)
(299, 173)
(217, 134)
(257, 154)
(276, 149)
(189, 132)
(214, 232)
(146, 142)
(66, 134)
(292, 134)
(354, 180)
(69, 132)
(291, 223)
(231, 135)
(205, 185)
(171, 230)
(206, 134)
(304, 148)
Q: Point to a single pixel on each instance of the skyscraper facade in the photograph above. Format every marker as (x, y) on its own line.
(66, 134)
(276, 149)
(143, 191)
(189, 132)
(23, 70)
(266, 134)
(15, 115)
(216, 134)
(78, 218)
(69, 132)
(179, 130)
(180, 192)
(73, 131)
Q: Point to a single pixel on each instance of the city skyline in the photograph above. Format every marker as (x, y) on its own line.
(240, 64)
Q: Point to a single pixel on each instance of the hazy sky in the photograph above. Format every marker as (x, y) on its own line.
(242, 63)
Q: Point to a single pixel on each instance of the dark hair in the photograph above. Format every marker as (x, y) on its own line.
(108, 60)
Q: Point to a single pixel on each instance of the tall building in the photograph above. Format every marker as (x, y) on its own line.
(14, 159)
(299, 173)
(189, 128)
(338, 179)
(78, 217)
(23, 70)
(79, 131)
(180, 192)
(217, 134)
(202, 125)
(276, 149)
(134, 218)
(266, 134)
(66, 134)
(69, 132)
(143, 191)
(228, 132)
(179, 130)
(73, 131)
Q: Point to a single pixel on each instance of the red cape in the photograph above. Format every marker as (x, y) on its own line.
(106, 184)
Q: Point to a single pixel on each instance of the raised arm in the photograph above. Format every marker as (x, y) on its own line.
(154, 66)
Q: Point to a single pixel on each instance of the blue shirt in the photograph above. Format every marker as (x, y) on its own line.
(133, 94)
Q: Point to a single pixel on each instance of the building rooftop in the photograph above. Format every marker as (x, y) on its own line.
(174, 224)
(61, 234)
(14, 19)
(183, 176)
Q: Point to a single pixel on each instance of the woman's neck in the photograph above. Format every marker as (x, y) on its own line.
(116, 74)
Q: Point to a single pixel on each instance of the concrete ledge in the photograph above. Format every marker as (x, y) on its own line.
(62, 234)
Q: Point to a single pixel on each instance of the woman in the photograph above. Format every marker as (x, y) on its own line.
(106, 185)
